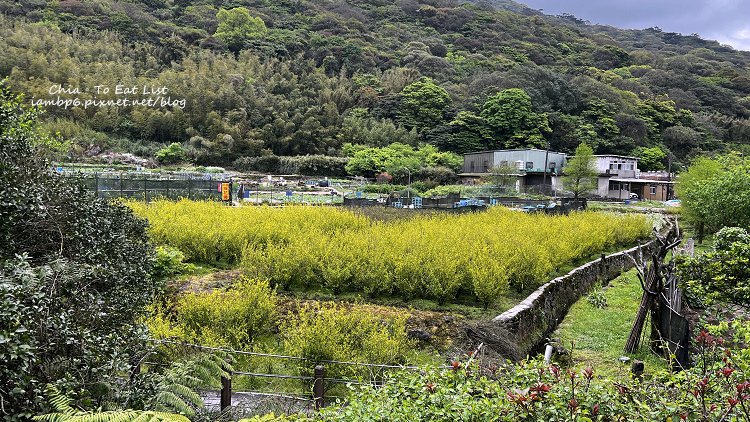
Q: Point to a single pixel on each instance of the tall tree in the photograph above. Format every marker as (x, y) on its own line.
(512, 120)
(580, 172)
(423, 105)
(650, 159)
(237, 26)
(469, 132)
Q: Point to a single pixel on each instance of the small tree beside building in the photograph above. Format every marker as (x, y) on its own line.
(503, 178)
(580, 173)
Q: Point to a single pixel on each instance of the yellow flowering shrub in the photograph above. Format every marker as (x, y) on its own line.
(436, 256)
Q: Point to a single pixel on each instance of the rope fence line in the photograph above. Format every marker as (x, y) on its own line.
(319, 379)
(271, 355)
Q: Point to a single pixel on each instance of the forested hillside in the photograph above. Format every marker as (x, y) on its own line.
(262, 77)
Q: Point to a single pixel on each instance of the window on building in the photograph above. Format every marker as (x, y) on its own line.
(652, 189)
(614, 185)
(611, 166)
(503, 163)
(529, 165)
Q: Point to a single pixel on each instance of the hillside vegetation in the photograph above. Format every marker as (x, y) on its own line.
(263, 78)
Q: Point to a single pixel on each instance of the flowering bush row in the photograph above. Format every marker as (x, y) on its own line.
(438, 256)
(442, 256)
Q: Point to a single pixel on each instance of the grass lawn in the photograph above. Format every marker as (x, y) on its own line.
(599, 335)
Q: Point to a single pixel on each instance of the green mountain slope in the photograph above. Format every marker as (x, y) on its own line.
(314, 75)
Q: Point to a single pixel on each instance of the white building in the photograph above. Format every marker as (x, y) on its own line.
(616, 173)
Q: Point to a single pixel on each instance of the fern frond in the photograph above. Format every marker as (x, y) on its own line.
(169, 401)
(186, 394)
(178, 384)
(113, 416)
(59, 401)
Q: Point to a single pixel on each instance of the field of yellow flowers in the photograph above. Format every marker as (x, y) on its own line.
(437, 256)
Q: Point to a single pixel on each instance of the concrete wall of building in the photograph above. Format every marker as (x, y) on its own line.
(620, 166)
(478, 162)
(531, 160)
(604, 189)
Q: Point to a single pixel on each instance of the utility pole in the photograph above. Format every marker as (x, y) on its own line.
(546, 163)
(408, 189)
(669, 175)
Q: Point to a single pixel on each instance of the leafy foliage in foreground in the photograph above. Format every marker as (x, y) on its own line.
(169, 395)
(65, 413)
(723, 273)
(74, 276)
(715, 193)
(717, 388)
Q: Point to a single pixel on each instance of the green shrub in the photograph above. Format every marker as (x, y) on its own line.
(597, 298)
(717, 388)
(722, 273)
(231, 318)
(330, 332)
(382, 188)
(168, 262)
(172, 154)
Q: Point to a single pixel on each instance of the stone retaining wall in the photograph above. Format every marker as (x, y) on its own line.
(533, 320)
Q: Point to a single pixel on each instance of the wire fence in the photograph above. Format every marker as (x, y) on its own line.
(300, 384)
(147, 186)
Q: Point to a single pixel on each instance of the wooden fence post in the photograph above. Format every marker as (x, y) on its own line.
(319, 387)
(226, 393)
(96, 184)
(637, 368)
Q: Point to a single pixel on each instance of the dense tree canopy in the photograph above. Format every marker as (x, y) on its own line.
(286, 77)
(715, 193)
(512, 121)
(423, 104)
